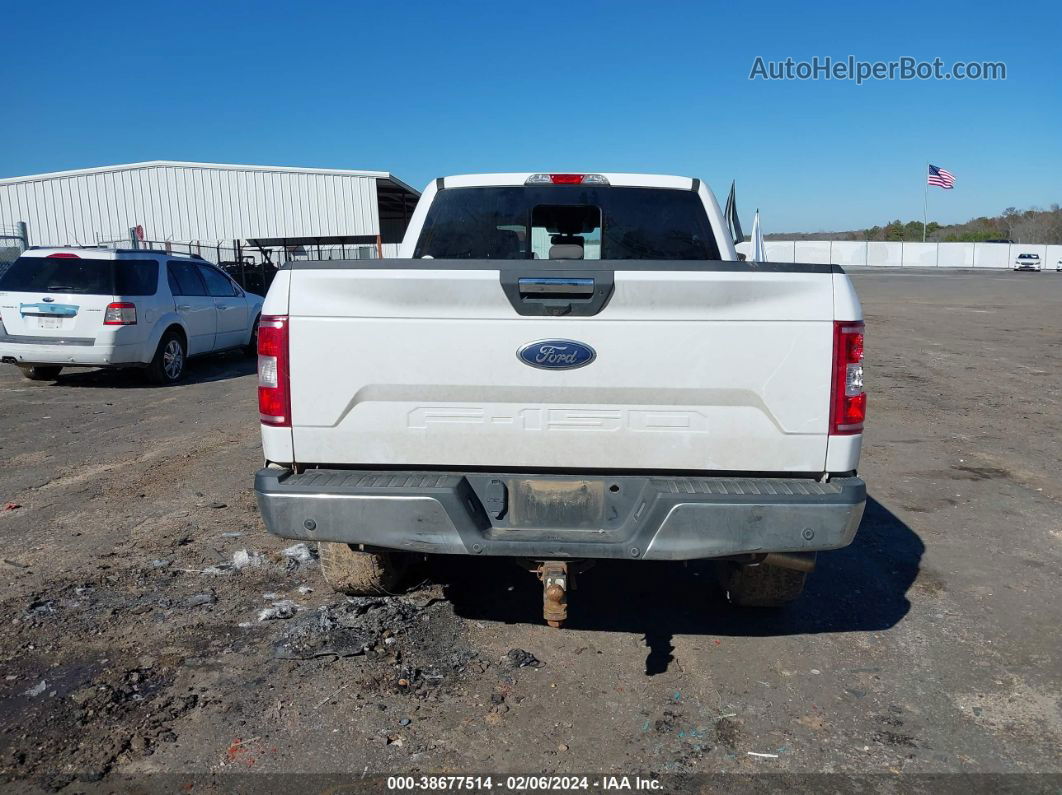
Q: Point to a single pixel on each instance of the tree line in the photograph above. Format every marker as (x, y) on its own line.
(1034, 225)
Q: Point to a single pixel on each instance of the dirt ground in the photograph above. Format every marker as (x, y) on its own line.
(132, 644)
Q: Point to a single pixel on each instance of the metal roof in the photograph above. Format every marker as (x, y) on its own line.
(385, 175)
(205, 202)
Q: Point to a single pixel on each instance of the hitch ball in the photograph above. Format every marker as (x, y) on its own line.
(554, 576)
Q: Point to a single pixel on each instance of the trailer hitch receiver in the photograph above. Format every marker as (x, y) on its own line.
(555, 584)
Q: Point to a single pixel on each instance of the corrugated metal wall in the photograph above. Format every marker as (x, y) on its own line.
(189, 203)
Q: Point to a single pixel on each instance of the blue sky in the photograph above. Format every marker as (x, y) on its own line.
(428, 89)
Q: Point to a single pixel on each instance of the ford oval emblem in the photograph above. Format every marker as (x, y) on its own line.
(556, 354)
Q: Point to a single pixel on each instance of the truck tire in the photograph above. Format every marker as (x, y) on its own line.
(760, 585)
(39, 373)
(355, 573)
(167, 366)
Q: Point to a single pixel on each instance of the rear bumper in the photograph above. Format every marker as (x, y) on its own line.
(71, 354)
(558, 516)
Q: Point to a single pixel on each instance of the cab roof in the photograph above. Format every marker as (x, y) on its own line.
(614, 179)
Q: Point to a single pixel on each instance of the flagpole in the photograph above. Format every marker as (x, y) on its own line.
(925, 201)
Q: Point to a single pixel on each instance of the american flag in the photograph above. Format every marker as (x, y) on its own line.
(941, 178)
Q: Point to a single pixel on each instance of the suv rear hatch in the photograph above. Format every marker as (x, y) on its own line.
(62, 298)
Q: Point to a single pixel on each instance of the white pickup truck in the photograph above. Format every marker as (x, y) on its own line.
(563, 368)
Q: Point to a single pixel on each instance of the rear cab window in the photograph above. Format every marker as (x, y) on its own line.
(81, 276)
(567, 222)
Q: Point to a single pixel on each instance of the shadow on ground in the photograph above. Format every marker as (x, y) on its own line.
(220, 367)
(860, 588)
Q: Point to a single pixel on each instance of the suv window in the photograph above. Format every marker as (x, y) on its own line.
(556, 221)
(217, 283)
(136, 277)
(81, 276)
(184, 279)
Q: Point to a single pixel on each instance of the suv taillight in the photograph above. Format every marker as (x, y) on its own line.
(120, 314)
(848, 403)
(274, 394)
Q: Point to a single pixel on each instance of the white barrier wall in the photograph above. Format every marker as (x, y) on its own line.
(920, 255)
(848, 253)
(956, 255)
(884, 253)
(854, 253)
(992, 256)
(780, 250)
(812, 251)
(1054, 257)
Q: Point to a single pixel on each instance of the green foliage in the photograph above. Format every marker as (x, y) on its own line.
(1026, 226)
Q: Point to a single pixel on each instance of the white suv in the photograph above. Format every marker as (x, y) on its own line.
(89, 307)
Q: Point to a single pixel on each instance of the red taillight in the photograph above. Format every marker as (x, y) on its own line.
(848, 402)
(274, 393)
(120, 314)
(63, 255)
(566, 179)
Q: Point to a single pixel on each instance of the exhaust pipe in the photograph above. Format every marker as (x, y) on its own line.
(797, 561)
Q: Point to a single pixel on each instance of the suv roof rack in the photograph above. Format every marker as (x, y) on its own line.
(125, 250)
(158, 251)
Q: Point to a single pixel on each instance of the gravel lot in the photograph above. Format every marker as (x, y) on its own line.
(931, 645)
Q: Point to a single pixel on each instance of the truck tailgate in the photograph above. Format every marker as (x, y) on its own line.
(699, 366)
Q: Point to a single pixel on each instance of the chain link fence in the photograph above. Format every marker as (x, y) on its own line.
(252, 267)
(12, 244)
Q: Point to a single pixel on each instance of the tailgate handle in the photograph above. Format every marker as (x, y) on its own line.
(555, 291)
(544, 287)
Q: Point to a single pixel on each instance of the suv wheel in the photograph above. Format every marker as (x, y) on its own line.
(760, 585)
(355, 573)
(251, 348)
(39, 373)
(168, 365)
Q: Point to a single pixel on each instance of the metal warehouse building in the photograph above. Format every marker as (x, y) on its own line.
(270, 212)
